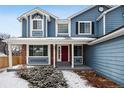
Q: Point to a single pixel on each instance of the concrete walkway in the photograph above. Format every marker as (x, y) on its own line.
(74, 80)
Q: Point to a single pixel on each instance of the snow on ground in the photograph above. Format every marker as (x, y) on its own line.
(11, 80)
(74, 80)
(21, 66)
(2, 54)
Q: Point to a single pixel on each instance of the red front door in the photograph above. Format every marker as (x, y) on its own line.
(64, 53)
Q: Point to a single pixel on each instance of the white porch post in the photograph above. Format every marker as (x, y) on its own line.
(54, 58)
(72, 60)
(27, 52)
(49, 53)
(10, 55)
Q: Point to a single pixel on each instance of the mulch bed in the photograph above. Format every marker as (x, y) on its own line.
(43, 77)
(97, 80)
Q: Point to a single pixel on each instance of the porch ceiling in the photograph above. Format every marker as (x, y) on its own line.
(53, 40)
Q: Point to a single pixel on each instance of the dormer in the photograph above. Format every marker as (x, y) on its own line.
(35, 23)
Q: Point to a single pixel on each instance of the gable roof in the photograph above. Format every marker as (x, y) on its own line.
(84, 10)
(37, 9)
(107, 11)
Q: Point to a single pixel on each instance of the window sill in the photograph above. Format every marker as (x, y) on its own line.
(84, 34)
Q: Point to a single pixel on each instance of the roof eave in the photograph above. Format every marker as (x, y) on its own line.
(36, 9)
(104, 13)
(79, 12)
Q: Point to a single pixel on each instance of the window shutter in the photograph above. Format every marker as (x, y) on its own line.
(76, 27)
(92, 27)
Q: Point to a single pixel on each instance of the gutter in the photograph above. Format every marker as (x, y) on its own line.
(104, 13)
(115, 34)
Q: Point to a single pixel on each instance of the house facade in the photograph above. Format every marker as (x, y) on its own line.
(93, 37)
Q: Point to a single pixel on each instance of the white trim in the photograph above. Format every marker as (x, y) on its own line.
(49, 54)
(61, 22)
(79, 33)
(82, 54)
(37, 29)
(104, 13)
(46, 28)
(72, 60)
(27, 26)
(27, 53)
(69, 28)
(104, 32)
(69, 53)
(59, 60)
(10, 55)
(40, 56)
(37, 10)
(31, 26)
(56, 26)
(115, 34)
(49, 40)
(84, 10)
(54, 58)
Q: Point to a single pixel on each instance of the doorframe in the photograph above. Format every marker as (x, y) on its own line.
(60, 60)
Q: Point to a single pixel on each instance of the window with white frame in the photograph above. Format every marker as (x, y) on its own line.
(38, 50)
(37, 23)
(84, 27)
(62, 28)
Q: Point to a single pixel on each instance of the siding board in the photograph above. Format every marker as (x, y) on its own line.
(107, 58)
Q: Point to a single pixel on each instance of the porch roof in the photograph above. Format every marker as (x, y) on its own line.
(49, 40)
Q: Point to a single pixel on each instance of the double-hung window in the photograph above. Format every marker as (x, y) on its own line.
(37, 23)
(84, 27)
(62, 28)
(37, 26)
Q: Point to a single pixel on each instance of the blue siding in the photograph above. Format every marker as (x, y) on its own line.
(28, 26)
(90, 15)
(37, 33)
(107, 58)
(63, 35)
(114, 19)
(24, 28)
(51, 27)
(100, 27)
(38, 60)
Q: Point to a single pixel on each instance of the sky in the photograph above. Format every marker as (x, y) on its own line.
(9, 14)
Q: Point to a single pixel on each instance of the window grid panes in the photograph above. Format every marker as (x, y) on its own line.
(37, 24)
(38, 50)
(77, 50)
(85, 27)
(62, 28)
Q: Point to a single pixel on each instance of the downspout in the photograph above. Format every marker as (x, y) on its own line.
(104, 28)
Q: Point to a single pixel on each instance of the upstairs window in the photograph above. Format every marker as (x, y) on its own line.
(37, 23)
(84, 27)
(62, 28)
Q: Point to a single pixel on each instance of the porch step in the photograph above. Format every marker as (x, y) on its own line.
(63, 64)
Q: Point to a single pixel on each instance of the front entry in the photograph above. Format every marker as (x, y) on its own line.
(62, 53)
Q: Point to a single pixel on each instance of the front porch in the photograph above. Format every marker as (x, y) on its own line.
(51, 51)
(67, 66)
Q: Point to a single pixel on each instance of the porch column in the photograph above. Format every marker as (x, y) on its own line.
(10, 55)
(54, 58)
(72, 53)
(49, 53)
(27, 53)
